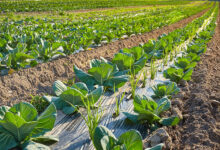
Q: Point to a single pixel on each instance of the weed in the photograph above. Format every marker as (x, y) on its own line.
(39, 103)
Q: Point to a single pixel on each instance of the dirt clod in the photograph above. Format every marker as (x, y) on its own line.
(157, 137)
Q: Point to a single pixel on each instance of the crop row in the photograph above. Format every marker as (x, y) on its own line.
(20, 125)
(113, 75)
(28, 42)
(90, 14)
(61, 5)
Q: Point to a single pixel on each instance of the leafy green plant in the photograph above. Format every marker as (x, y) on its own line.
(129, 60)
(74, 95)
(98, 38)
(104, 139)
(205, 35)
(17, 57)
(176, 75)
(149, 46)
(192, 57)
(46, 50)
(153, 49)
(149, 111)
(167, 89)
(184, 64)
(136, 52)
(109, 36)
(197, 48)
(102, 73)
(39, 103)
(21, 127)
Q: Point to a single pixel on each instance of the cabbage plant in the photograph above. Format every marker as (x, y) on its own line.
(176, 75)
(68, 98)
(148, 111)
(192, 57)
(184, 64)
(21, 127)
(104, 139)
(166, 89)
(130, 59)
(197, 48)
(102, 73)
(16, 58)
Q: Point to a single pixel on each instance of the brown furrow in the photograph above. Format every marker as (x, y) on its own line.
(200, 103)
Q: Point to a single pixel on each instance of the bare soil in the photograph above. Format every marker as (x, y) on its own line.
(38, 80)
(199, 103)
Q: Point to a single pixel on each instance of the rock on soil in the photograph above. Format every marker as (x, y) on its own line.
(157, 137)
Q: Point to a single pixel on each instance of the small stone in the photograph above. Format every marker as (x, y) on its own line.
(155, 140)
(177, 112)
(183, 83)
(177, 102)
(212, 95)
(214, 102)
(157, 137)
(180, 95)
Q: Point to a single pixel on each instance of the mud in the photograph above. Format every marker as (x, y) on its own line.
(199, 103)
(38, 80)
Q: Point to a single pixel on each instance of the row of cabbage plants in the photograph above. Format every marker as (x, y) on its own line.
(22, 127)
(28, 42)
(63, 5)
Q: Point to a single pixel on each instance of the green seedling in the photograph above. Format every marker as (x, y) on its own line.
(118, 102)
(22, 128)
(153, 70)
(165, 60)
(93, 116)
(134, 81)
(144, 79)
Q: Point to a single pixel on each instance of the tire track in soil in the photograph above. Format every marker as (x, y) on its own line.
(199, 103)
(38, 80)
